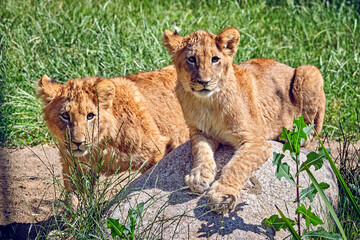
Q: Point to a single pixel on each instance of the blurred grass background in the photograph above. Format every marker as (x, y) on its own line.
(69, 39)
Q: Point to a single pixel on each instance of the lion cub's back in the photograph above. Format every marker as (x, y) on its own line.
(157, 87)
(269, 70)
(272, 88)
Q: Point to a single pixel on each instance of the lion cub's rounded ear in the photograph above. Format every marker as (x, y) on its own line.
(228, 40)
(48, 88)
(106, 92)
(172, 41)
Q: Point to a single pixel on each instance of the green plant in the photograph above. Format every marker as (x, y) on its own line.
(93, 194)
(128, 231)
(294, 139)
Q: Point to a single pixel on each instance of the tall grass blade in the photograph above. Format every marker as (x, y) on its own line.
(326, 201)
(288, 225)
(339, 177)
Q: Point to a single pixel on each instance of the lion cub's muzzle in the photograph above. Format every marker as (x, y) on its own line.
(204, 87)
(78, 149)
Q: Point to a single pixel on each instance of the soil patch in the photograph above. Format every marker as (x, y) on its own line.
(26, 189)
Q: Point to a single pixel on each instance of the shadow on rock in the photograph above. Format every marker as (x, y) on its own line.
(38, 230)
(168, 175)
(222, 225)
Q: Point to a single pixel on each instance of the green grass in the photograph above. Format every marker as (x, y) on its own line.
(93, 193)
(349, 167)
(69, 39)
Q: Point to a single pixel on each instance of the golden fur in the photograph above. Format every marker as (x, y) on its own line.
(139, 119)
(242, 105)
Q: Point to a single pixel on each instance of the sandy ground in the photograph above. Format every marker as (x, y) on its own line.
(26, 190)
(26, 193)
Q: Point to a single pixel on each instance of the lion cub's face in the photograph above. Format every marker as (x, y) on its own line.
(202, 59)
(72, 110)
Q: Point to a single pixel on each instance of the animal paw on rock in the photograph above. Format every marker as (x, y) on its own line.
(200, 178)
(222, 198)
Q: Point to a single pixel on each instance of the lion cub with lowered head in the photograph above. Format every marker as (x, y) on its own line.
(135, 119)
(241, 105)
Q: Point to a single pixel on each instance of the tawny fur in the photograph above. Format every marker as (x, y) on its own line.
(139, 119)
(242, 105)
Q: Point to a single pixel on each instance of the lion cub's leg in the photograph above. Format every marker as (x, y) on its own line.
(72, 173)
(224, 193)
(308, 91)
(204, 166)
(70, 196)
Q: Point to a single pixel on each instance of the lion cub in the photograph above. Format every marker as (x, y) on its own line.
(242, 105)
(135, 119)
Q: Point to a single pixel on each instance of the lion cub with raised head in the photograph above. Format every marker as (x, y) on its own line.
(135, 119)
(242, 105)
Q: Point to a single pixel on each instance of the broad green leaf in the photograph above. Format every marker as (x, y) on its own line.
(326, 200)
(276, 222)
(293, 156)
(321, 234)
(321, 149)
(116, 228)
(311, 191)
(310, 217)
(293, 139)
(277, 157)
(286, 136)
(127, 232)
(282, 169)
(314, 159)
(133, 215)
(289, 225)
(308, 129)
(298, 134)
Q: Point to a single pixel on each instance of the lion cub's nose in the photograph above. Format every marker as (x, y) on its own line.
(203, 81)
(78, 144)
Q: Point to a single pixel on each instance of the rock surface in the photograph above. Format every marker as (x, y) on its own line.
(172, 211)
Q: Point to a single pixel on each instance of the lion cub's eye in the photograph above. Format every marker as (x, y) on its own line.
(65, 116)
(191, 59)
(90, 116)
(215, 59)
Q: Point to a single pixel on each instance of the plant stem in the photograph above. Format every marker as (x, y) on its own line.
(297, 193)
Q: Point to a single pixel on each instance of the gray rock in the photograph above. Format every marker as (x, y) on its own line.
(172, 211)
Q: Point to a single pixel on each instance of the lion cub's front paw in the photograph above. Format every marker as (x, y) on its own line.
(222, 198)
(200, 178)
